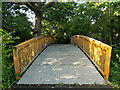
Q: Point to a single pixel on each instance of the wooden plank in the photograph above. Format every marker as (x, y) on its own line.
(16, 63)
(21, 45)
(103, 59)
(92, 49)
(107, 63)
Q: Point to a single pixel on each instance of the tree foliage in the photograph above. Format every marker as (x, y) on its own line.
(16, 29)
(14, 20)
(8, 76)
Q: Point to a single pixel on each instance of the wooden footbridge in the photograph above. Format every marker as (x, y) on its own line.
(40, 61)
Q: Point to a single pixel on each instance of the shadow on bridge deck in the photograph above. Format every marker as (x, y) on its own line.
(61, 63)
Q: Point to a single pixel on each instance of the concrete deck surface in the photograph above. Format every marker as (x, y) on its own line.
(61, 63)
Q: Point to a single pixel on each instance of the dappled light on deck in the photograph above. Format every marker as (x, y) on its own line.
(61, 63)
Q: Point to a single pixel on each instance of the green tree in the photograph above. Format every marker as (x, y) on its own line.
(14, 20)
(46, 11)
(8, 76)
(16, 29)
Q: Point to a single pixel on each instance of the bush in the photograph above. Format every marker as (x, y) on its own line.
(8, 41)
(115, 66)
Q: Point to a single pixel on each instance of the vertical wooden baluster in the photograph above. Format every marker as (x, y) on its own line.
(30, 54)
(91, 48)
(46, 41)
(93, 57)
(103, 59)
(38, 45)
(78, 42)
(16, 63)
(41, 44)
(32, 50)
(82, 43)
(35, 46)
(107, 63)
(88, 47)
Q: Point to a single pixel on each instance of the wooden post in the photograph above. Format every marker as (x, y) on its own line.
(107, 63)
(16, 63)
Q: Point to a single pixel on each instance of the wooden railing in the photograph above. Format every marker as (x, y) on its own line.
(98, 52)
(27, 51)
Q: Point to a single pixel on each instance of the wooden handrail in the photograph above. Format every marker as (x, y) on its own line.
(24, 53)
(98, 52)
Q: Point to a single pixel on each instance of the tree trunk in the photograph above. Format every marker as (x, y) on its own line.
(110, 40)
(38, 25)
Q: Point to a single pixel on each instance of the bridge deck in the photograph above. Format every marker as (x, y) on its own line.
(61, 63)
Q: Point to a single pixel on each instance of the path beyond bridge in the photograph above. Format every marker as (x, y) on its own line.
(61, 63)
